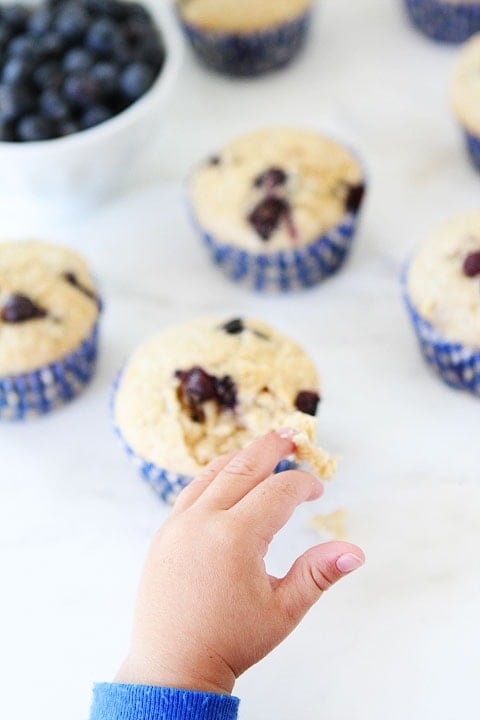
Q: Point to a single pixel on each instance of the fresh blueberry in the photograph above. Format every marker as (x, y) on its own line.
(103, 36)
(82, 90)
(78, 60)
(68, 127)
(307, 402)
(53, 105)
(5, 36)
(136, 79)
(52, 45)
(15, 16)
(40, 21)
(136, 10)
(19, 308)
(48, 75)
(17, 70)
(72, 21)
(108, 8)
(118, 103)
(139, 29)
(151, 52)
(94, 116)
(267, 215)
(23, 46)
(354, 198)
(15, 100)
(31, 128)
(121, 52)
(155, 54)
(107, 74)
(7, 131)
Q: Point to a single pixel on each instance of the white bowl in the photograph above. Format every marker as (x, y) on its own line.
(80, 170)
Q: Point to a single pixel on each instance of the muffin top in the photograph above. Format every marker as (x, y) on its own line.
(465, 85)
(245, 16)
(276, 189)
(48, 305)
(210, 386)
(444, 280)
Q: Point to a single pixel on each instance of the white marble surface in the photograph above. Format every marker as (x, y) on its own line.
(401, 639)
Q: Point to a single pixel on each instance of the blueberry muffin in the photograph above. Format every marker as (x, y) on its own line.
(465, 96)
(245, 38)
(451, 21)
(49, 312)
(207, 387)
(278, 208)
(443, 298)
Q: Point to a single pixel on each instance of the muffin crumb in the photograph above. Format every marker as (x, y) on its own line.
(322, 463)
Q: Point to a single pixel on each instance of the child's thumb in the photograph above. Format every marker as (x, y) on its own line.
(315, 572)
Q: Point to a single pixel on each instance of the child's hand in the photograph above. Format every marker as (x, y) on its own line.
(207, 610)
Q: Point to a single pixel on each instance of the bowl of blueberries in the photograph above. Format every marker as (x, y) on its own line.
(83, 86)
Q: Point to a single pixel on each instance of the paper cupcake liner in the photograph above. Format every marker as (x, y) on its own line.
(445, 21)
(166, 484)
(472, 143)
(285, 270)
(250, 53)
(38, 392)
(458, 365)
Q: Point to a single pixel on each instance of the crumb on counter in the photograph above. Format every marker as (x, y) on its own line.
(332, 524)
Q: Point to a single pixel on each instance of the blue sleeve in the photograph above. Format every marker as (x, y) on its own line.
(112, 701)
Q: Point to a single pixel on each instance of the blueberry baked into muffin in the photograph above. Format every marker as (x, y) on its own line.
(278, 208)
(247, 37)
(207, 387)
(465, 96)
(451, 21)
(443, 298)
(49, 312)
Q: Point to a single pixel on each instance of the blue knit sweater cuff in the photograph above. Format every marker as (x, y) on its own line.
(112, 701)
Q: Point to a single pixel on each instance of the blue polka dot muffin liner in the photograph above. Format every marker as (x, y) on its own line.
(40, 391)
(456, 364)
(249, 54)
(445, 21)
(166, 484)
(286, 270)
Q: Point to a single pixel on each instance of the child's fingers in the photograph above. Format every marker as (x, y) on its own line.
(268, 506)
(313, 573)
(198, 486)
(247, 469)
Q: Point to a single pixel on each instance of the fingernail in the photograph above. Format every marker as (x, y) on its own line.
(348, 563)
(286, 433)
